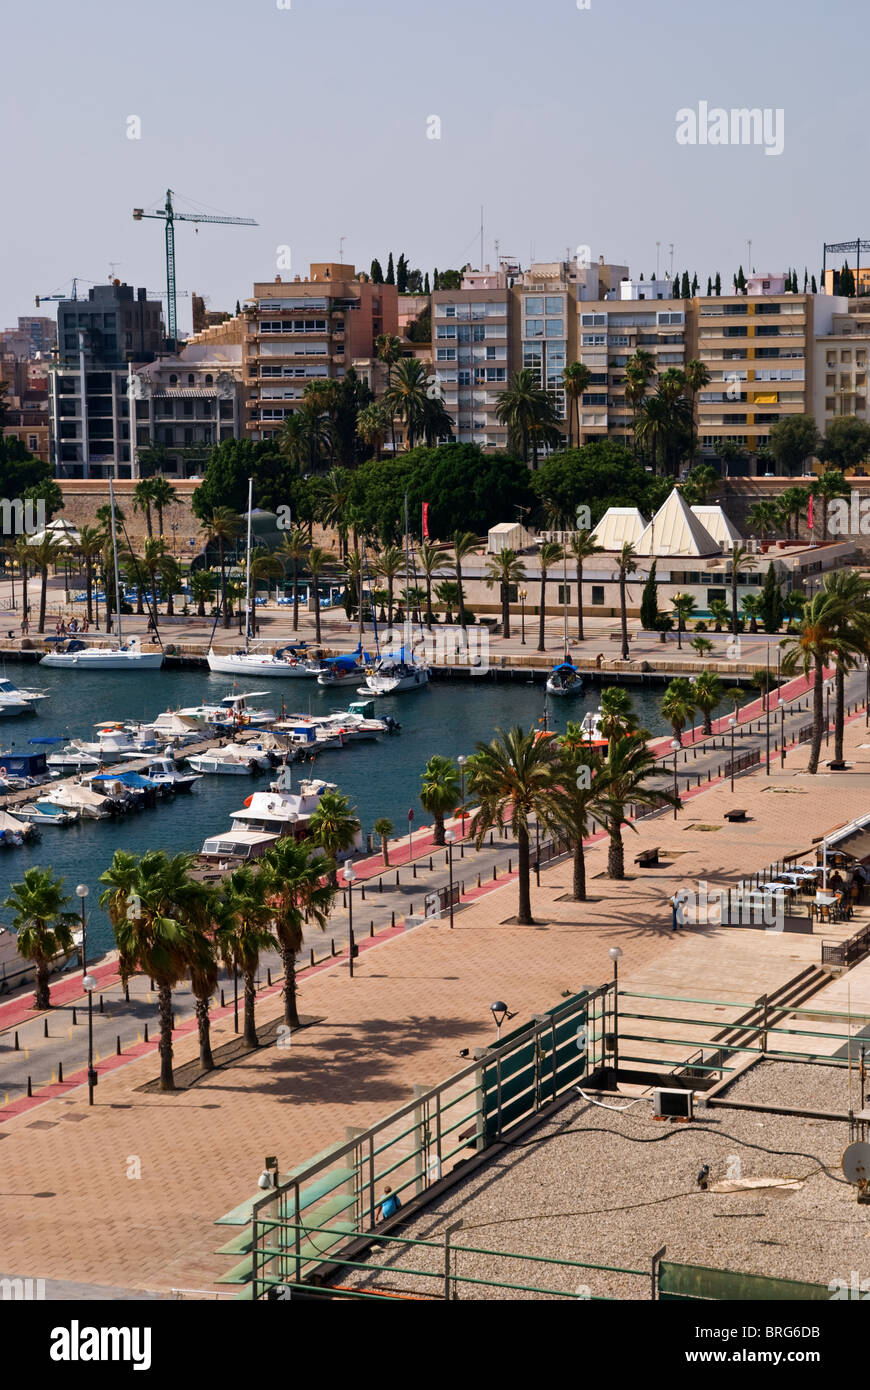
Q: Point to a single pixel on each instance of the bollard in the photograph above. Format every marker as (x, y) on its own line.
(371, 929)
(490, 839)
(16, 1049)
(478, 880)
(344, 899)
(397, 878)
(332, 945)
(509, 866)
(269, 976)
(363, 891)
(392, 919)
(60, 1072)
(127, 993)
(312, 955)
(430, 863)
(151, 986)
(223, 1003)
(412, 910)
(494, 873)
(75, 1020)
(380, 885)
(118, 1045)
(415, 870)
(462, 889)
(29, 1088)
(45, 1028)
(102, 1009)
(146, 1032)
(462, 851)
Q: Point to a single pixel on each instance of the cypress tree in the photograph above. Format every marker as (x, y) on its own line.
(813, 288)
(649, 604)
(806, 279)
(391, 273)
(402, 275)
(238, 308)
(377, 272)
(771, 602)
(741, 278)
(694, 284)
(685, 287)
(426, 289)
(436, 284)
(709, 288)
(717, 284)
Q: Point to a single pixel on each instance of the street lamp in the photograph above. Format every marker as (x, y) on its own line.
(524, 593)
(450, 837)
(499, 1012)
(89, 984)
(676, 746)
(731, 722)
(461, 761)
(349, 876)
(677, 603)
(616, 957)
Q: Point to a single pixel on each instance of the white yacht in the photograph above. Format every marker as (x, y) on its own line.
(289, 663)
(233, 760)
(166, 773)
(394, 674)
(173, 727)
(281, 811)
(14, 701)
(90, 804)
(49, 813)
(113, 740)
(15, 970)
(232, 712)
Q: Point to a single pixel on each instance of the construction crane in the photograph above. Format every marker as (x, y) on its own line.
(44, 298)
(170, 217)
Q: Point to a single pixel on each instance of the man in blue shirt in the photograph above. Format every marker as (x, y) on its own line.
(389, 1206)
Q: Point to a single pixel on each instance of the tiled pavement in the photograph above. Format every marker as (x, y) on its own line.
(117, 1197)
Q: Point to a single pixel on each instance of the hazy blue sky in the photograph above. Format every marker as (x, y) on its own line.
(313, 120)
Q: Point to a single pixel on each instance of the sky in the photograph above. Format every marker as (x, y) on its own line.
(314, 117)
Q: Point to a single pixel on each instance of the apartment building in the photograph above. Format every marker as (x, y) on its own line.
(306, 330)
(610, 332)
(471, 354)
(842, 352)
(187, 403)
(34, 337)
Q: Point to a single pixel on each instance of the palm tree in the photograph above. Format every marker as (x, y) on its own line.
(334, 505)
(626, 564)
(576, 378)
(244, 932)
(202, 586)
(292, 551)
(21, 551)
(549, 554)
(507, 570)
(265, 565)
(684, 606)
(43, 925)
(741, 561)
(132, 573)
(581, 798)
(628, 767)
(152, 559)
(582, 548)
(317, 562)
(465, 543)
(430, 559)
(406, 397)
(171, 581)
(852, 592)
(706, 695)
(293, 440)
(702, 645)
(90, 545)
(819, 640)
(203, 967)
(390, 563)
(44, 553)
(383, 829)
(143, 496)
(719, 613)
(618, 715)
(448, 593)
(523, 405)
(751, 605)
(793, 605)
(678, 705)
(388, 349)
(334, 827)
(163, 495)
(515, 773)
(297, 895)
(156, 932)
(793, 503)
(373, 425)
(697, 377)
(441, 791)
(829, 486)
(224, 526)
(764, 517)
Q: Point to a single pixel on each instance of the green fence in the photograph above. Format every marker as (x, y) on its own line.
(680, 1283)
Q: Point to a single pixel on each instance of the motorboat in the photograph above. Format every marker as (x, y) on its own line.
(75, 796)
(281, 810)
(565, 679)
(115, 739)
(290, 663)
(174, 727)
(590, 727)
(236, 847)
(16, 971)
(22, 770)
(233, 760)
(394, 674)
(78, 656)
(14, 701)
(232, 712)
(45, 812)
(15, 832)
(340, 671)
(165, 773)
(73, 760)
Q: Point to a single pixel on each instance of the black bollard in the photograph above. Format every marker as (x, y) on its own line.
(29, 1087)
(118, 1045)
(430, 863)
(363, 891)
(397, 878)
(332, 945)
(127, 993)
(478, 880)
(146, 1032)
(371, 928)
(60, 1072)
(16, 1049)
(380, 885)
(312, 956)
(45, 1027)
(509, 866)
(392, 919)
(102, 1009)
(415, 870)
(223, 1005)
(75, 1020)
(269, 975)
(494, 873)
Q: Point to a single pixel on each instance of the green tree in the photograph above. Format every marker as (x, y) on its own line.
(820, 638)
(373, 427)
(390, 564)
(582, 547)
(163, 495)
(792, 441)
(90, 544)
(523, 407)
(506, 570)
(846, 443)
(851, 592)
(430, 560)
(678, 705)
(649, 603)
(383, 828)
(719, 613)
(465, 543)
(441, 791)
(581, 799)
(43, 924)
(334, 828)
(576, 377)
(741, 561)
(376, 274)
(706, 695)
(618, 715)
(626, 565)
(628, 769)
(142, 502)
(771, 601)
(44, 553)
(223, 526)
(830, 487)
(202, 588)
(292, 551)
(245, 931)
(297, 896)
(391, 273)
(318, 560)
(751, 605)
(549, 555)
(764, 517)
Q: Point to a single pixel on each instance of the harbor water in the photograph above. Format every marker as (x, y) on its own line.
(380, 778)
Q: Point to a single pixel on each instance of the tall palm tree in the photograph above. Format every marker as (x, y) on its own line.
(293, 440)
(292, 551)
(793, 605)
(406, 397)
(523, 405)
(819, 640)
(741, 562)
(202, 587)
(390, 563)
(441, 791)
(334, 827)
(626, 564)
(678, 705)
(388, 349)
(829, 486)
(465, 543)
(143, 496)
(265, 565)
(21, 551)
(44, 553)
(852, 592)
(163, 495)
(90, 545)
(764, 517)
(684, 606)
(719, 612)
(334, 506)
(171, 581)
(430, 559)
(707, 693)
(697, 377)
(43, 924)
(582, 548)
(297, 895)
(507, 570)
(517, 773)
(244, 932)
(317, 562)
(628, 768)
(576, 378)
(618, 715)
(582, 793)
(203, 968)
(448, 593)
(549, 554)
(751, 605)
(223, 526)
(793, 504)
(373, 425)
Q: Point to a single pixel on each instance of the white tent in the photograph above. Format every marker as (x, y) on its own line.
(675, 530)
(508, 535)
(618, 526)
(720, 527)
(63, 532)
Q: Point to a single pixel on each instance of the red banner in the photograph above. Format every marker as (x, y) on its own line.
(425, 521)
(810, 521)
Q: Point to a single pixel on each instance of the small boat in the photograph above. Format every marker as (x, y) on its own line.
(14, 701)
(15, 832)
(590, 726)
(16, 971)
(115, 739)
(73, 760)
(90, 804)
(49, 813)
(289, 663)
(341, 670)
(165, 773)
(173, 727)
(22, 770)
(78, 656)
(394, 674)
(234, 760)
(565, 679)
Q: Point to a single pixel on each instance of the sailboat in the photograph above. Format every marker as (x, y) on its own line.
(289, 662)
(565, 679)
(400, 670)
(130, 657)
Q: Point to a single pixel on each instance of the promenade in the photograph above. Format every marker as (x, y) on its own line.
(119, 1197)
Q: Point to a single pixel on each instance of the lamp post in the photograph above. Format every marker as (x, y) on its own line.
(499, 1013)
(461, 761)
(450, 837)
(616, 957)
(537, 852)
(676, 746)
(731, 722)
(89, 984)
(349, 876)
(767, 710)
(677, 603)
(523, 595)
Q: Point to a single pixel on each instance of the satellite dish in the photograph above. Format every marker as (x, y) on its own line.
(856, 1163)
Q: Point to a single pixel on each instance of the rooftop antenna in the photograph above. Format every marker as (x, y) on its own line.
(672, 260)
(341, 241)
(658, 250)
(749, 257)
(481, 236)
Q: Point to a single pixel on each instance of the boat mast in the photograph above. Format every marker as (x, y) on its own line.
(248, 570)
(407, 580)
(115, 562)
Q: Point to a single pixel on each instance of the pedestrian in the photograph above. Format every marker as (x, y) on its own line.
(677, 910)
(390, 1204)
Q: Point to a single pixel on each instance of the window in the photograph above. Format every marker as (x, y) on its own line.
(595, 398)
(190, 378)
(534, 305)
(32, 442)
(446, 354)
(593, 320)
(173, 380)
(554, 304)
(564, 594)
(555, 328)
(209, 379)
(594, 340)
(598, 593)
(534, 328)
(445, 330)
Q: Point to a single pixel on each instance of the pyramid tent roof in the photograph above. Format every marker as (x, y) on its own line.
(618, 525)
(675, 530)
(721, 527)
